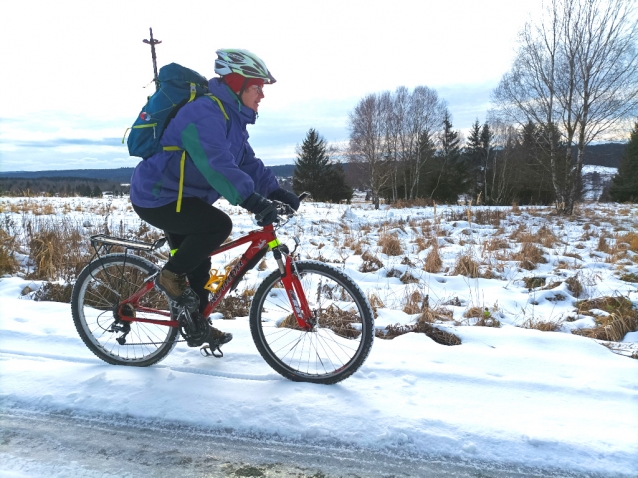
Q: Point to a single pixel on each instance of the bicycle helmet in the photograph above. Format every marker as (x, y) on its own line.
(243, 62)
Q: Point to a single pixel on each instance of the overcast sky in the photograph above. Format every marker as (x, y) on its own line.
(76, 73)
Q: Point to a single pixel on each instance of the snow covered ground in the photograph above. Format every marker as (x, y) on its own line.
(508, 394)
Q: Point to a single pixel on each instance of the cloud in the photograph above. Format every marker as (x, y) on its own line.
(62, 142)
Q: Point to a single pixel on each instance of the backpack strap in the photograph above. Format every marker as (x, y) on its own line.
(183, 159)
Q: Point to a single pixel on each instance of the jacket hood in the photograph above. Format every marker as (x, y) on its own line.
(219, 89)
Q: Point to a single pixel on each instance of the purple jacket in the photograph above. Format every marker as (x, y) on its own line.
(220, 162)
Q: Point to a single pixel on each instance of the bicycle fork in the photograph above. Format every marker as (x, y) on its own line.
(294, 290)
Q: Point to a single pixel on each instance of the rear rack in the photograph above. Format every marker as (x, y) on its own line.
(102, 240)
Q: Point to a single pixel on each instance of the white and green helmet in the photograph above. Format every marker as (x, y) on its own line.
(243, 62)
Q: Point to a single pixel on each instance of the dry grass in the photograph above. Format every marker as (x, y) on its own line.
(622, 318)
(56, 250)
(390, 245)
(371, 263)
(408, 278)
(529, 256)
(433, 262)
(234, 306)
(421, 244)
(631, 239)
(408, 203)
(495, 244)
(603, 245)
(333, 318)
(489, 216)
(8, 262)
(485, 317)
(534, 282)
(413, 303)
(542, 325)
(52, 292)
(466, 266)
(574, 286)
(439, 336)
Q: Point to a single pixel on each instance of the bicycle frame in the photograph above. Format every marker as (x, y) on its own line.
(261, 241)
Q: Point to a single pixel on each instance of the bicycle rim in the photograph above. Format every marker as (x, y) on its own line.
(342, 334)
(102, 287)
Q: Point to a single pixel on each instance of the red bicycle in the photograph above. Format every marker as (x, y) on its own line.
(309, 320)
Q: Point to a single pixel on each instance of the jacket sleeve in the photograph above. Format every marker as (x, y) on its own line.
(204, 139)
(263, 178)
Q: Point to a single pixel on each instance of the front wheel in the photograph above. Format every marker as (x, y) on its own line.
(97, 305)
(342, 333)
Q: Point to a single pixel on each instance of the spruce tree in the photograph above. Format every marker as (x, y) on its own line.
(449, 176)
(315, 173)
(474, 157)
(624, 186)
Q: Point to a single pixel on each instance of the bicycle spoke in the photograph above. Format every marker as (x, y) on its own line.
(341, 332)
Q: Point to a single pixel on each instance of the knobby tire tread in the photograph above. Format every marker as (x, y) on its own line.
(85, 277)
(353, 289)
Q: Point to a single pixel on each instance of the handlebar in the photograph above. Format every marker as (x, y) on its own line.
(284, 211)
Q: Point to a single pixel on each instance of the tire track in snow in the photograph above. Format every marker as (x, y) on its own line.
(180, 369)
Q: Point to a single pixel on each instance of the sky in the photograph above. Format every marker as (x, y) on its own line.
(76, 74)
(509, 395)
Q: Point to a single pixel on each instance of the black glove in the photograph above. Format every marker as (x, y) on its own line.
(265, 211)
(285, 197)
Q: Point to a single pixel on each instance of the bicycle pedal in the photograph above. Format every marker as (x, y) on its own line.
(207, 351)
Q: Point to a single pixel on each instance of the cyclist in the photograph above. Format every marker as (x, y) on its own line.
(178, 198)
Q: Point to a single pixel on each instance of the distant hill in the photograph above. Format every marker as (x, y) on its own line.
(606, 154)
(122, 174)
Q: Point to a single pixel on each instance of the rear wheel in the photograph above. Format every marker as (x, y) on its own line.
(100, 289)
(342, 333)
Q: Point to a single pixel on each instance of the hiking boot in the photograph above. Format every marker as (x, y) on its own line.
(217, 337)
(177, 289)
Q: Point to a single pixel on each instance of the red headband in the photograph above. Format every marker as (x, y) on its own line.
(235, 81)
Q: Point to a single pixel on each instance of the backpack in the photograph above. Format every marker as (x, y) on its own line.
(178, 85)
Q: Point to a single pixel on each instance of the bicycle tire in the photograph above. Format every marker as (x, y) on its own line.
(339, 342)
(99, 289)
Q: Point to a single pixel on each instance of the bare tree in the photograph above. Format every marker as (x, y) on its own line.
(368, 137)
(576, 75)
(607, 64)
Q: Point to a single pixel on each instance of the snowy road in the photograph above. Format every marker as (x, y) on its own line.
(502, 400)
(52, 445)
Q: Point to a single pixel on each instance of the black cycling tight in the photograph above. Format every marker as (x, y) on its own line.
(196, 231)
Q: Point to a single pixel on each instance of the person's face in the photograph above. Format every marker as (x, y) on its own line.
(252, 96)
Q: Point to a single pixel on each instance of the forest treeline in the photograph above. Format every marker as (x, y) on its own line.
(60, 187)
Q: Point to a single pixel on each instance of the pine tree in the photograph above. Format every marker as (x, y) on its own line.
(449, 176)
(315, 173)
(474, 157)
(624, 186)
(338, 189)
